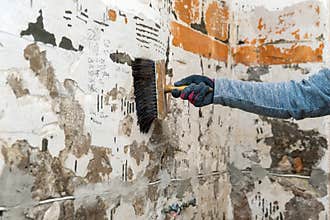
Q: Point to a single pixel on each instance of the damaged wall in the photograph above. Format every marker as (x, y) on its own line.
(70, 144)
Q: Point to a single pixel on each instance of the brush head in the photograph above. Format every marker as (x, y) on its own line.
(145, 91)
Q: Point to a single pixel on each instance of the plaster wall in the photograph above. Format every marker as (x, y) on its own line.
(68, 126)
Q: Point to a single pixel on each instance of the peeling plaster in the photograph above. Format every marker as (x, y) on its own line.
(305, 147)
(38, 32)
(75, 131)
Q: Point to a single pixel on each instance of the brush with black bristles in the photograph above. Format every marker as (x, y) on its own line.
(149, 90)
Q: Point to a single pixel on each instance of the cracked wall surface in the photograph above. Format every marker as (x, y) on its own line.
(70, 146)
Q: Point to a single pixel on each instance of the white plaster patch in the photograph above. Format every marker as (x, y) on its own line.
(53, 213)
(266, 196)
(270, 5)
(27, 112)
(126, 211)
(324, 214)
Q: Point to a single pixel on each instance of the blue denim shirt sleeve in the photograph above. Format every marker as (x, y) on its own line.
(303, 99)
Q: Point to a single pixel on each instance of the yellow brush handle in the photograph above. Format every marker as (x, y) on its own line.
(170, 88)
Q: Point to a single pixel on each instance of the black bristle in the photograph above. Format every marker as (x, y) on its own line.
(145, 92)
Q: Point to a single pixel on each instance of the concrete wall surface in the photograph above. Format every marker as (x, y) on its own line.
(70, 146)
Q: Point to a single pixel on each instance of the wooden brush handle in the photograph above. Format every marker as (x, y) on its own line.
(170, 88)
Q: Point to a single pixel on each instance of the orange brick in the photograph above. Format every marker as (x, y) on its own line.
(198, 43)
(216, 20)
(246, 55)
(271, 55)
(261, 25)
(187, 10)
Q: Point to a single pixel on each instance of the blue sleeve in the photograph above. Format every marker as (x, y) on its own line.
(303, 99)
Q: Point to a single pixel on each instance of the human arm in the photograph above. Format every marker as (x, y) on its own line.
(303, 99)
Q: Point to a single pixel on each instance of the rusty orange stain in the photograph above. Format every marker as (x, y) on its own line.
(126, 20)
(306, 36)
(280, 31)
(272, 55)
(246, 55)
(187, 10)
(281, 18)
(262, 40)
(288, 14)
(198, 43)
(112, 14)
(246, 40)
(298, 164)
(261, 25)
(296, 34)
(318, 23)
(216, 20)
(317, 9)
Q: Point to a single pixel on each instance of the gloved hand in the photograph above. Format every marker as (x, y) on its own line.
(198, 91)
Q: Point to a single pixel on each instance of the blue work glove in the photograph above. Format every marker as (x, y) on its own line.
(198, 91)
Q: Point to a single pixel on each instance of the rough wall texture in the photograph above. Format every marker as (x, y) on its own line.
(70, 147)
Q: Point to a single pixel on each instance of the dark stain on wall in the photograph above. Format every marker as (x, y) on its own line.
(139, 206)
(67, 210)
(137, 151)
(126, 125)
(297, 67)
(304, 149)
(115, 93)
(200, 26)
(182, 188)
(17, 155)
(120, 57)
(257, 71)
(38, 32)
(97, 211)
(100, 165)
(304, 204)
(319, 180)
(300, 207)
(66, 43)
(51, 179)
(45, 73)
